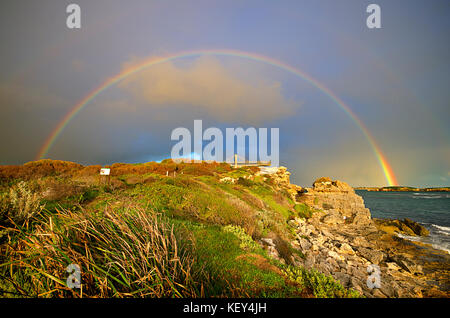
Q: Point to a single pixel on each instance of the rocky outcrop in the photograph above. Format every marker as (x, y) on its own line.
(338, 199)
(343, 241)
(280, 177)
(405, 227)
(228, 180)
(345, 251)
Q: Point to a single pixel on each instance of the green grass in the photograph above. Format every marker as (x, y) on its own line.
(304, 211)
(236, 271)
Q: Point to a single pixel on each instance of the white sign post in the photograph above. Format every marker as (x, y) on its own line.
(106, 172)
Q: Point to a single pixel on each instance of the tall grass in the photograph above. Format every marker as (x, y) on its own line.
(132, 253)
(19, 205)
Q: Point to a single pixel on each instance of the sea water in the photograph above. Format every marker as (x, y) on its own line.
(431, 209)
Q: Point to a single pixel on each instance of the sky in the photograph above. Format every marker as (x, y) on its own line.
(394, 80)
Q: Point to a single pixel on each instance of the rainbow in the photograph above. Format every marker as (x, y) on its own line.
(387, 169)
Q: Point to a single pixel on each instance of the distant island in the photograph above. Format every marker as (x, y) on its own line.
(403, 188)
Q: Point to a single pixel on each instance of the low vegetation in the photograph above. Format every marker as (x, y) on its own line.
(153, 230)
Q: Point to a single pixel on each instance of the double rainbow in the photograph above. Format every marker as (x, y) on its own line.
(387, 169)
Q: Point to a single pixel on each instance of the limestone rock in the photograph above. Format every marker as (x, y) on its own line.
(388, 290)
(344, 278)
(346, 249)
(392, 266)
(407, 264)
(336, 256)
(227, 180)
(377, 293)
(362, 218)
(305, 244)
(360, 241)
(405, 226)
(325, 184)
(339, 201)
(356, 285)
(268, 242)
(416, 227)
(333, 217)
(341, 239)
(374, 256)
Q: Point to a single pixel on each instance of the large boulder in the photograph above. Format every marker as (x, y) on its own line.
(374, 256)
(339, 201)
(416, 227)
(407, 264)
(333, 217)
(325, 184)
(405, 227)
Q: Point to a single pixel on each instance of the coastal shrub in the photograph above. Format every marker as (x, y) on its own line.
(55, 188)
(40, 168)
(284, 249)
(242, 214)
(245, 239)
(170, 181)
(323, 286)
(89, 195)
(134, 253)
(269, 221)
(269, 197)
(89, 171)
(281, 198)
(20, 204)
(251, 199)
(245, 182)
(4, 207)
(303, 210)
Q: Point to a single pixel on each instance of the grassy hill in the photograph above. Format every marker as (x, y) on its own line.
(154, 230)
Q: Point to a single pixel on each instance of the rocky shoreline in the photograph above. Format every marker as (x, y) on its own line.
(341, 239)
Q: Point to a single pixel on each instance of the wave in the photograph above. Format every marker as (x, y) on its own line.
(443, 229)
(440, 247)
(435, 245)
(436, 240)
(410, 238)
(429, 197)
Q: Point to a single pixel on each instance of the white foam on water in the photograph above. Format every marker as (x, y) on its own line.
(442, 228)
(410, 238)
(428, 197)
(433, 243)
(442, 248)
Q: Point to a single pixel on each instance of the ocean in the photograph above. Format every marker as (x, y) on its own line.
(431, 209)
